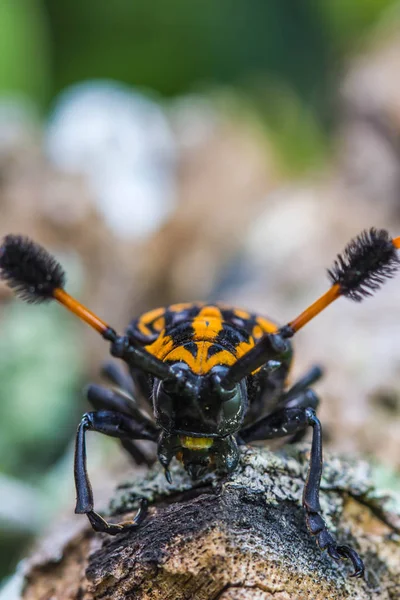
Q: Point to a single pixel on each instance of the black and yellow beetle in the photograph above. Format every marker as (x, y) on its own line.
(214, 376)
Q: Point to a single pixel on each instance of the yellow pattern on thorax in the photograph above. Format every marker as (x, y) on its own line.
(206, 325)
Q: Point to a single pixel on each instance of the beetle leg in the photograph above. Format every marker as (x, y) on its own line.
(116, 425)
(102, 398)
(307, 380)
(315, 523)
(116, 375)
(288, 421)
(304, 399)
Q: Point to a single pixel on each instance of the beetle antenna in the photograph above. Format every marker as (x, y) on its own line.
(37, 277)
(366, 262)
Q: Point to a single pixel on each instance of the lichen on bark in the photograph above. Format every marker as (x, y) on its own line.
(242, 536)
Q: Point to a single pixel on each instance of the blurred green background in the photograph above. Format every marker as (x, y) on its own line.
(276, 67)
(256, 47)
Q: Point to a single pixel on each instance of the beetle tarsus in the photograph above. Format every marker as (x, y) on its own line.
(116, 425)
(314, 520)
(349, 553)
(293, 420)
(100, 525)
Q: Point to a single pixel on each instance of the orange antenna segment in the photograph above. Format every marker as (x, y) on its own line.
(80, 311)
(314, 309)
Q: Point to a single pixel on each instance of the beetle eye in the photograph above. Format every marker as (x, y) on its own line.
(164, 401)
(232, 407)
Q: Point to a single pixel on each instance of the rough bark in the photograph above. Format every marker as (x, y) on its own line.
(239, 537)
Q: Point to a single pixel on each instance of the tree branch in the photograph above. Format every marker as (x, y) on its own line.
(238, 537)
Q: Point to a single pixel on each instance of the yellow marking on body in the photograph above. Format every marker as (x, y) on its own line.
(242, 314)
(201, 363)
(159, 324)
(208, 324)
(206, 327)
(257, 332)
(263, 326)
(244, 347)
(200, 443)
(209, 311)
(181, 354)
(204, 364)
(161, 347)
(146, 320)
(184, 306)
(266, 325)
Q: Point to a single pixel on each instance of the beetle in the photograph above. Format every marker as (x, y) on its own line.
(214, 376)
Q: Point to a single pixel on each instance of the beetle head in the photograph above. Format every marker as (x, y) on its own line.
(198, 418)
(196, 405)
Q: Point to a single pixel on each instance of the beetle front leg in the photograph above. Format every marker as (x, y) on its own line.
(288, 421)
(315, 523)
(116, 425)
(102, 398)
(302, 399)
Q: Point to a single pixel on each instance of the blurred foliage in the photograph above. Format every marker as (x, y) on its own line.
(39, 370)
(25, 52)
(42, 372)
(349, 22)
(171, 47)
(260, 48)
